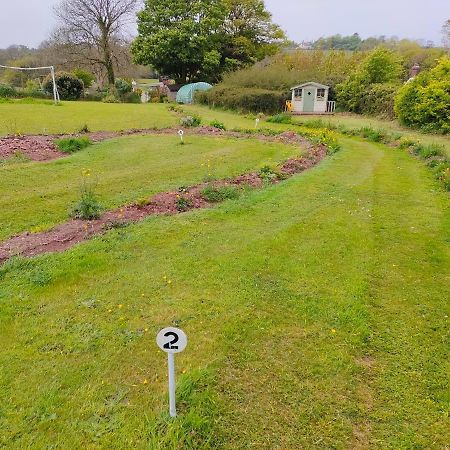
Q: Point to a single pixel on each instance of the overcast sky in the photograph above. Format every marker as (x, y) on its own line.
(28, 22)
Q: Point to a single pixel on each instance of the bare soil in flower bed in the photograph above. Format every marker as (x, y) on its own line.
(74, 231)
(43, 148)
(34, 148)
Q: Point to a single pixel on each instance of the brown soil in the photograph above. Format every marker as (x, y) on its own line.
(35, 148)
(74, 231)
(43, 148)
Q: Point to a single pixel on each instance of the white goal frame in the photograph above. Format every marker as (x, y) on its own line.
(52, 71)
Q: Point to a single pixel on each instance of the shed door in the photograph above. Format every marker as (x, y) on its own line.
(309, 94)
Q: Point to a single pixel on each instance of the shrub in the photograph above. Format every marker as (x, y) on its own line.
(378, 100)
(280, 118)
(122, 86)
(7, 91)
(245, 99)
(110, 98)
(217, 124)
(217, 194)
(380, 67)
(69, 86)
(86, 77)
(424, 102)
(190, 121)
(72, 145)
(131, 97)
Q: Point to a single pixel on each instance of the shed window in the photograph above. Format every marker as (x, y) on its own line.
(298, 94)
(320, 95)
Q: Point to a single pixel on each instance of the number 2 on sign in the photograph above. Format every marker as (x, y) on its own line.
(171, 344)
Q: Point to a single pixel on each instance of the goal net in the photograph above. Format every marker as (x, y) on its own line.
(50, 69)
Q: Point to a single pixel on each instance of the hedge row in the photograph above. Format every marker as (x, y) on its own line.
(244, 99)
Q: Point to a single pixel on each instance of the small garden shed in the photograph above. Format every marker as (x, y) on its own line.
(186, 93)
(311, 98)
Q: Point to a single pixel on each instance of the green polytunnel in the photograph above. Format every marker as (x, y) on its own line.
(186, 93)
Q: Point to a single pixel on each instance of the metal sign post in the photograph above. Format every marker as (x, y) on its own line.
(171, 340)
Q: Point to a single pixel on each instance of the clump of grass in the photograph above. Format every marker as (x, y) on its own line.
(372, 135)
(17, 158)
(190, 121)
(220, 193)
(72, 145)
(143, 202)
(217, 124)
(280, 118)
(428, 151)
(88, 207)
(316, 123)
(84, 129)
(406, 143)
(183, 203)
(269, 174)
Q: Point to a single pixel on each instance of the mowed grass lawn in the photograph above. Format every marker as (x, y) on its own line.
(36, 196)
(70, 117)
(316, 310)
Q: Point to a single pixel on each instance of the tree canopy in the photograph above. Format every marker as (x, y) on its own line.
(193, 40)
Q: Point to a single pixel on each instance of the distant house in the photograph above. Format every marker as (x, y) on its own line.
(311, 98)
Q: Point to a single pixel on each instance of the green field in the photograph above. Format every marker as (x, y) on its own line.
(70, 117)
(123, 170)
(316, 309)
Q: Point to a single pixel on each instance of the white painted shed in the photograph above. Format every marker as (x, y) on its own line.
(311, 98)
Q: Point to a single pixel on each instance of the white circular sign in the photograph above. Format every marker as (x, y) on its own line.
(171, 340)
(181, 132)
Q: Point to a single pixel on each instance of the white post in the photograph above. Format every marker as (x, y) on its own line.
(55, 90)
(172, 402)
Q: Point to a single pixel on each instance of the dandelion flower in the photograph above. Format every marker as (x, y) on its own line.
(145, 381)
(120, 306)
(333, 330)
(169, 281)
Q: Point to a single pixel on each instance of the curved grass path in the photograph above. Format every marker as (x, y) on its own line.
(35, 196)
(317, 312)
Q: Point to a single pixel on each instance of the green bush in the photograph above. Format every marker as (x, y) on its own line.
(131, 97)
(122, 86)
(72, 145)
(378, 100)
(218, 194)
(424, 102)
(86, 77)
(190, 121)
(244, 99)
(280, 118)
(7, 91)
(380, 67)
(110, 98)
(183, 203)
(217, 124)
(69, 86)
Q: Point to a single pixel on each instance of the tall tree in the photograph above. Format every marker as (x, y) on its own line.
(93, 30)
(200, 39)
(446, 34)
(180, 37)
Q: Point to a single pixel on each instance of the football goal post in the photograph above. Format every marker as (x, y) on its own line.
(50, 68)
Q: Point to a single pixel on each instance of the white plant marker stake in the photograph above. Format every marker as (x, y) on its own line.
(181, 133)
(257, 122)
(171, 340)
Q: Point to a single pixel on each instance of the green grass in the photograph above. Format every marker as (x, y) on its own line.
(72, 145)
(355, 121)
(18, 118)
(316, 311)
(35, 196)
